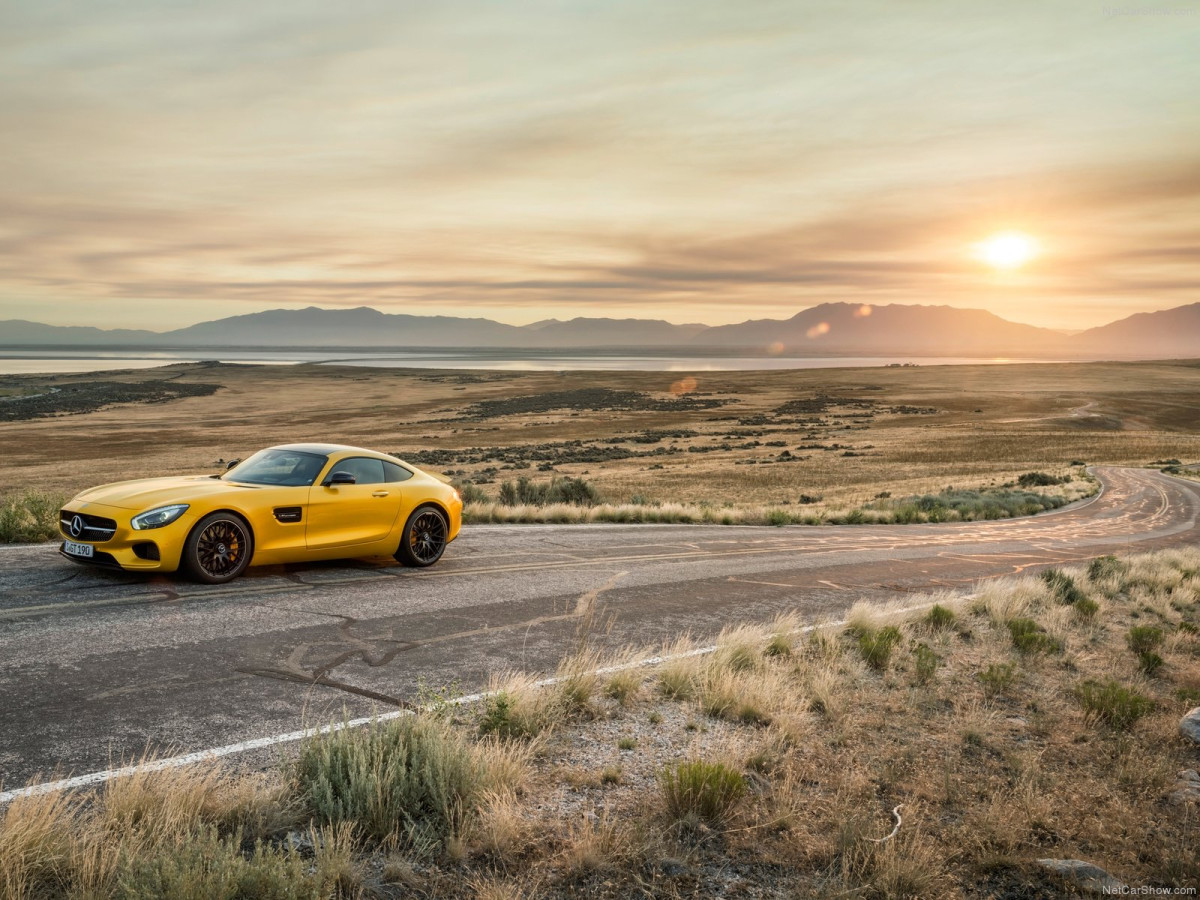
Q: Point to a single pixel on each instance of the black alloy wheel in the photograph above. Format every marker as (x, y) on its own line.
(424, 538)
(218, 549)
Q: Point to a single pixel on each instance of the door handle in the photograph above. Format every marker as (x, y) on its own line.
(379, 493)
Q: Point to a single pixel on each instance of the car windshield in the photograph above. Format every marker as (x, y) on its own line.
(293, 468)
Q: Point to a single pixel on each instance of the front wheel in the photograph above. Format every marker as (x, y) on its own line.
(218, 549)
(424, 539)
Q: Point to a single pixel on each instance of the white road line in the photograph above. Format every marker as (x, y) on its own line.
(290, 737)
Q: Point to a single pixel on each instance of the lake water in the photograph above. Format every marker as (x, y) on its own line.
(19, 362)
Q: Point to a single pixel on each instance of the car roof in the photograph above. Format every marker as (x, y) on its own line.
(328, 449)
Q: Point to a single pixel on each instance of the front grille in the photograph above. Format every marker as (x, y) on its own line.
(95, 529)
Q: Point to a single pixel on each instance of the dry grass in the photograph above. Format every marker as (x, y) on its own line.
(991, 424)
(743, 768)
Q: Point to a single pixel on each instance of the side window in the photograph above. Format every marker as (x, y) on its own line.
(365, 471)
(396, 473)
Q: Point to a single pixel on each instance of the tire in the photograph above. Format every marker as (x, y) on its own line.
(218, 549)
(423, 540)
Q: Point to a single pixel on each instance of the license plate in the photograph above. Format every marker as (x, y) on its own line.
(84, 550)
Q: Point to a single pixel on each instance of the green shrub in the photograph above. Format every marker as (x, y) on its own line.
(412, 777)
(958, 505)
(1063, 587)
(1144, 638)
(876, 646)
(209, 866)
(1111, 702)
(778, 517)
(574, 491)
(780, 645)
(939, 618)
(1030, 638)
(1150, 662)
(30, 517)
(1039, 479)
(627, 743)
(998, 678)
(471, 493)
(1105, 567)
(926, 662)
(518, 715)
(699, 790)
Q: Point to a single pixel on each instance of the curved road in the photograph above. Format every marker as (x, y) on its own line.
(96, 666)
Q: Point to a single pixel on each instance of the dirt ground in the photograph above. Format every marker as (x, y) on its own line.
(779, 437)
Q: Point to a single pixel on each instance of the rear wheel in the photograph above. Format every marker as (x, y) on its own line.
(218, 549)
(424, 539)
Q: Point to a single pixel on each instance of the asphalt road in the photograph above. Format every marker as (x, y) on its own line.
(96, 666)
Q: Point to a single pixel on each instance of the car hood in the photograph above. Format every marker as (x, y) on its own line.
(147, 493)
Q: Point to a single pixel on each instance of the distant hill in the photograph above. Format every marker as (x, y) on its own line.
(366, 327)
(830, 329)
(582, 332)
(854, 329)
(361, 326)
(21, 332)
(1166, 334)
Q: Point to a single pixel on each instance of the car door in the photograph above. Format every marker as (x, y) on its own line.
(345, 515)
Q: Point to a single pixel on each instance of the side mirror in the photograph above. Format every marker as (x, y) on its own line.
(339, 478)
(229, 465)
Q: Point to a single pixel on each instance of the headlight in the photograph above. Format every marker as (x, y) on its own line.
(157, 518)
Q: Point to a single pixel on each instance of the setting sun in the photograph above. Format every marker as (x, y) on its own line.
(1007, 250)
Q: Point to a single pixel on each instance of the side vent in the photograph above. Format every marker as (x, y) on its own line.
(288, 513)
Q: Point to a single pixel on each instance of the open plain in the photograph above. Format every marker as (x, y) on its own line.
(814, 440)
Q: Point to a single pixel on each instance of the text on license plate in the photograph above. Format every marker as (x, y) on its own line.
(77, 549)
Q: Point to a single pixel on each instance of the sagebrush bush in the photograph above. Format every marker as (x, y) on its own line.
(998, 678)
(1103, 567)
(413, 779)
(953, 505)
(925, 662)
(1144, 638)
(568, 490)
(1040, 479)
(1150, 662)
(30, 517)
(471, 493)
(1030, 638)
(1112, 703)
(1063, 587)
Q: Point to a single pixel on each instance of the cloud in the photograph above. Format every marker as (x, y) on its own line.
(520, 159)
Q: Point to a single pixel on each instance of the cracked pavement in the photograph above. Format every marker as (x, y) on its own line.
(97, 666)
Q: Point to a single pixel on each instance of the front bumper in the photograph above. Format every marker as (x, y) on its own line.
(152, 550)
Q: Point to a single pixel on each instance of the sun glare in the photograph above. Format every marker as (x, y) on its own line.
(1007, 250)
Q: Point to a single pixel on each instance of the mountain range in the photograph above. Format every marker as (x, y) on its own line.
(830, 329)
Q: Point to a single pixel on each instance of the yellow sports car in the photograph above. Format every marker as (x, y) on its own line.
(293, 503)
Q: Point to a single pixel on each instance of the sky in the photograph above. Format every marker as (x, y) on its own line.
(170, 162)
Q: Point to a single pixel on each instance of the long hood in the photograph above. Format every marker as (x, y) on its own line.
(147, 493)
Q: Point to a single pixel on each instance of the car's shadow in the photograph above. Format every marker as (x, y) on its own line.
(75, 575)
